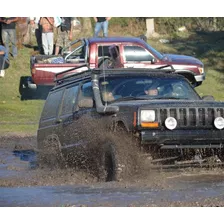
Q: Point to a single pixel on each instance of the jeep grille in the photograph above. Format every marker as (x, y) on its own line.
(191, 117)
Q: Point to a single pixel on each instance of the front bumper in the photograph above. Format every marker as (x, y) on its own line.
(184, 138)
(200, 78)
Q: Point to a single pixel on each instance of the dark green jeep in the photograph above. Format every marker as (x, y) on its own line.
(121, 116)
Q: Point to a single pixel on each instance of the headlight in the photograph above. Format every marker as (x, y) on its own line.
(219, 123)
(201, 70)
(148, 115)
(171, 123)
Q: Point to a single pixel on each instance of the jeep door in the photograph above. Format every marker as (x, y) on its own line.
(72, 117)
(49, 122)
(67, 134)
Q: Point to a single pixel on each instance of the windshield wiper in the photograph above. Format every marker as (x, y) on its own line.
(126, 98)
(171, 98)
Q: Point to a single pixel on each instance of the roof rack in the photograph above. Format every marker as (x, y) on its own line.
(58, 81)
(154, 70)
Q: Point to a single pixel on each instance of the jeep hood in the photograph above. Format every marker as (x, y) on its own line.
(181, 59)
(169, 103)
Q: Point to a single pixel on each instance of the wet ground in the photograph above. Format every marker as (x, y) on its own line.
(23, 183)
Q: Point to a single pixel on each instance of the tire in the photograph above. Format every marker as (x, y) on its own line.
(51, 155)
(119, 158)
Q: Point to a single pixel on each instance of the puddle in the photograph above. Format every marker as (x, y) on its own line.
(20, 167)
(16, 162)
(28, 155)
(87, 196)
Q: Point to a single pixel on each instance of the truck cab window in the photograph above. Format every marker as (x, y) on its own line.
(136, 53)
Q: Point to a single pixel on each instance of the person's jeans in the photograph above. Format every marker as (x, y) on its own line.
(48, 43)
(38, 35)
(4, 64)
(103, 26)
(9, 35)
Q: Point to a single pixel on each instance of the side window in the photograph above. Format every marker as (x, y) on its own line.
(103, 51)
(87, 90)
(136, 53)
(69, 100)
(52, 104)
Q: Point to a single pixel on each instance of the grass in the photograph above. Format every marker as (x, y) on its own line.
(18, 116)
(208, 47)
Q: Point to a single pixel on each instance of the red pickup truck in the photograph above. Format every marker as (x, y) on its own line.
(129, 52)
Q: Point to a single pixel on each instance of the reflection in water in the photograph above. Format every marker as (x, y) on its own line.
(27, 155)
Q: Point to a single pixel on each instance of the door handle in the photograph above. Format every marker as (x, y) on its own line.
(58, 121)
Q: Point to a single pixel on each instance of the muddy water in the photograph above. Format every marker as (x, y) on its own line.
(23, 183)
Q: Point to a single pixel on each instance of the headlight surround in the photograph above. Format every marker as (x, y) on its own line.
(148, 115)
(201, 70)
(171, 123)
(219, 123)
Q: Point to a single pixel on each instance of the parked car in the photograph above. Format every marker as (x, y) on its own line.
(129, 52)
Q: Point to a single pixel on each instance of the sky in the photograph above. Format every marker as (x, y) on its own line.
(115, 8)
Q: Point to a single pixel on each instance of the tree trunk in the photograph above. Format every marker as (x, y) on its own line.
(87, 26)
(150, 27)
(214, 23)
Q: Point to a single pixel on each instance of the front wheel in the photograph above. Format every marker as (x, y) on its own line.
(119, 158)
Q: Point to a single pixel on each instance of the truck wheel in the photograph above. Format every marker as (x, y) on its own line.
(51, 154)
(119, 158)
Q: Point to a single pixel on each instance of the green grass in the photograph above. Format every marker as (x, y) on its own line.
(208, 47)
(18, 116)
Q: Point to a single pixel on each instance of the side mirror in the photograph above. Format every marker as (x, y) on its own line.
(153, 61)
(86, 103)
(208, 98)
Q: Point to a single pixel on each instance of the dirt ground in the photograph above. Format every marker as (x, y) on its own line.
(173, 187)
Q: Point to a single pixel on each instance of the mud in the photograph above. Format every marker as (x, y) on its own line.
(24, 183)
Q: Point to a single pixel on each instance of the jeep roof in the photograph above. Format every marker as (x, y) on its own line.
(116, 71)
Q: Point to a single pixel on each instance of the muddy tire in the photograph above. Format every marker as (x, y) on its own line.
(119, 158)
(51, 155)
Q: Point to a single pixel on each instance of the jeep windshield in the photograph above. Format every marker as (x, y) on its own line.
(132, 87)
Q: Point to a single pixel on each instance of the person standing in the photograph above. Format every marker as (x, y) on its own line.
(9, 33)
(101, 24)
(22, 28)
(36, 28)
(47, 24)
(64, 34)
(4, 60)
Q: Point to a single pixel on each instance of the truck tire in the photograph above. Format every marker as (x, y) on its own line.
(120, 158)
